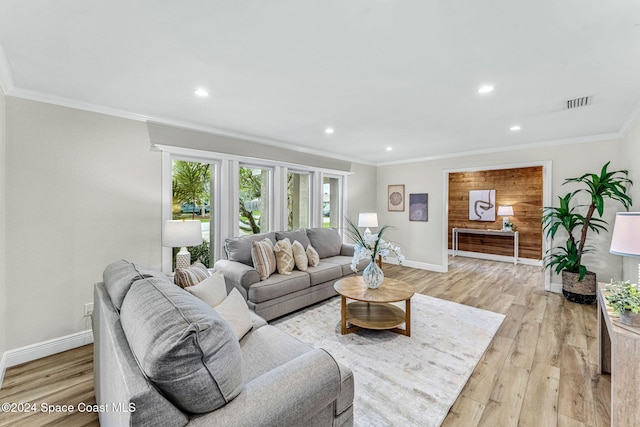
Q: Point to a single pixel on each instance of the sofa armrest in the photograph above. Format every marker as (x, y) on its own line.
(285, 396)
(347, 249)
(241, 276)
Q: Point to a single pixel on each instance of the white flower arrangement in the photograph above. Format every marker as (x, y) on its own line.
(369, 246)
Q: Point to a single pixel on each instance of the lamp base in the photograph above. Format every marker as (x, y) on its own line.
(183, 258)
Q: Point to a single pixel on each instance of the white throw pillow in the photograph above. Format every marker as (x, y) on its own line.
(211, 290)
(312, 255)
(264, 260)
(300, 256)
(235, 311)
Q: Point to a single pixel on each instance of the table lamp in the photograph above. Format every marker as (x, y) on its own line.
(367, 220)
(625, 240)
(505, 211)
(180, 234)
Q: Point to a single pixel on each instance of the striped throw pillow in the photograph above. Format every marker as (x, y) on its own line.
(264, 261)
(191, 276)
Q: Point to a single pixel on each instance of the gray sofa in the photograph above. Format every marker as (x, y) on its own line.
(282, 294)
(164, 357)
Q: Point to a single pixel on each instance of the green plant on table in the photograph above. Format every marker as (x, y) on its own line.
(623, 296)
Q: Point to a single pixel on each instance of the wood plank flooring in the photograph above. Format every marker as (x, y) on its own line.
(539, 370)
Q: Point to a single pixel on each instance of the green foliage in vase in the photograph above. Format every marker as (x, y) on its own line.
(623, 296)
(568, 217)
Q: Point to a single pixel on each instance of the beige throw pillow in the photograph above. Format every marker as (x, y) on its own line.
(284, 256)
(191, 276)
(235, 312)
(312, 255)
(299, 256)
(211, 290)
(264, 261)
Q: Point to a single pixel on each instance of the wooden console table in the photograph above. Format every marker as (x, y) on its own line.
(619, 353)
(456, 231)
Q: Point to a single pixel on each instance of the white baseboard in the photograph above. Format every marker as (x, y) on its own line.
(501, 258)
(43, 349)
(555, 287)
(416, 264)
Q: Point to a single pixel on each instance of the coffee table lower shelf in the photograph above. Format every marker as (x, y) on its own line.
(379, 316)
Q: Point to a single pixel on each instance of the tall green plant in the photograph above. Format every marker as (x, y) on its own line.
(607, 185)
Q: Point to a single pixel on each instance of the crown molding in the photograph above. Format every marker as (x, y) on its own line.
(95, 108)
(541, 144)
(6, 76)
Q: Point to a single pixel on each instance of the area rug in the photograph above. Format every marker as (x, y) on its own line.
(403, 381)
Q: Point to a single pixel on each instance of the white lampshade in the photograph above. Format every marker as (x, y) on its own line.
(626, 234)
(178, 233)
(368, 219)
(505, 210)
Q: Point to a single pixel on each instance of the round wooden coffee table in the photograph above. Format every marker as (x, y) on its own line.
(372, 308)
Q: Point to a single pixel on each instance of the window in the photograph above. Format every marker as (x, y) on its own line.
(254, 203)
(331, 205)
(298, 201)
(192, 184)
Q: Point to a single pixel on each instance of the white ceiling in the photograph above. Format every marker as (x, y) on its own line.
(399, 73)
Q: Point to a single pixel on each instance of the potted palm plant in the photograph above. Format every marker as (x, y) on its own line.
(578, 283)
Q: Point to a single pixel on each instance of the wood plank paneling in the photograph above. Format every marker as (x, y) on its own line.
(521, 188)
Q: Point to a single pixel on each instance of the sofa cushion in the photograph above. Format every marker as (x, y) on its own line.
(211, 290)
(345, 263)
(326, 241)
(312, 256)
(278, 285)
(239, 248)
(182, 345)
(299, 235)
(324, 272)
(264, 260)
(192, 275)
(119, 275)
(284, 256)
(299, 256)
(235, 312)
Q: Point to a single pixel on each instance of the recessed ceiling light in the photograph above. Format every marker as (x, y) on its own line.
(485, 89)
(515, 128)
(328, 131)
(389, 148)
(201, 92)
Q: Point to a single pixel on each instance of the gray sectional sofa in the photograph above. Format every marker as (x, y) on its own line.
(282, 294)
(162, 357)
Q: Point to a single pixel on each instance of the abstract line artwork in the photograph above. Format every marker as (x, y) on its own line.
(482, 205)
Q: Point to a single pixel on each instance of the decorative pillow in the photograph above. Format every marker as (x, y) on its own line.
(211, 290)
(312, 256)
(300, 256)
(264, 261)
(235, 311)
(284, 256)
(191, 276)
(182, 345)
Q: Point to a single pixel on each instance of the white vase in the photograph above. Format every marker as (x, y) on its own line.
(373, 275)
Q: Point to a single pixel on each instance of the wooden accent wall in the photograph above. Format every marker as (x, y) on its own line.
(522, 188)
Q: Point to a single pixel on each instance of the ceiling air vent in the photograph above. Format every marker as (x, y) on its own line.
(583, 101)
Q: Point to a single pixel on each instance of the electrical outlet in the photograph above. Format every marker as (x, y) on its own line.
(88, 309)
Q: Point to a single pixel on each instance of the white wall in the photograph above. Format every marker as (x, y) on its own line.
(3, 282)
(423, 241)
(632, 150)
(361, 191)
(83, 190)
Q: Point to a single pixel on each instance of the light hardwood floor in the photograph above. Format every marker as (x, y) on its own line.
(540, 369)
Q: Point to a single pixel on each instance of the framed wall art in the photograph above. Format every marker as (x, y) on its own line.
(395, 200)
(482, 205)
(419, 207)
